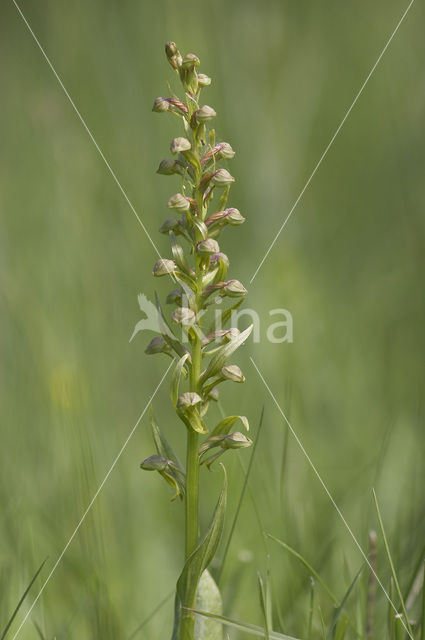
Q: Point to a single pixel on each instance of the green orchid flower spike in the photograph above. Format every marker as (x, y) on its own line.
(198, 272)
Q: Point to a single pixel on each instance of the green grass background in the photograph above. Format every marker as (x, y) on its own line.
(349, 266)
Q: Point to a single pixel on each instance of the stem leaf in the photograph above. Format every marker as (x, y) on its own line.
(197, 562)
(175, 379)
(219, 359)
(224, 426)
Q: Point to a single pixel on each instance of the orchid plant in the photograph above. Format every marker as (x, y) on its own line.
(200, 355)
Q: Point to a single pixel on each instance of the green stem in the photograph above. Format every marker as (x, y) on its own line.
(192, 459)
(192, 494)
(192, 462)
(192, 490)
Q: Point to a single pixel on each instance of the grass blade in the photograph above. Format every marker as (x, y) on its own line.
(263, 604)
(393, 571)
(39, 631)
(307, 566)
(244, 626)
(24, 595)
(340, 609)
(151, 615)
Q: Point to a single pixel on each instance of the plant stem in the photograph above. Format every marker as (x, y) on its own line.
(192, 490)
(192, 457)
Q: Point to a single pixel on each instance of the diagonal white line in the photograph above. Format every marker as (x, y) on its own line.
(322, 157)
(111, 171)
(91, 503)
(328, 493)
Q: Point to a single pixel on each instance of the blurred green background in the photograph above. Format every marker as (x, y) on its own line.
(349, 266)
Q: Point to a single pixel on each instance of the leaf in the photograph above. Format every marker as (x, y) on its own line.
(200, 225)
(192, 419)
(24, 595)
(174, 473)
(223, 200)
(162, 445)
(224, 426)
(219, 359)
(166, 330)
(208, 598)
(197, 562)
(178, 483)
(244, 626)
(179, 257)
(175, 378)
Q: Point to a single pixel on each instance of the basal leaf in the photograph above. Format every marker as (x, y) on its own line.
(197, 562)
(208, 598)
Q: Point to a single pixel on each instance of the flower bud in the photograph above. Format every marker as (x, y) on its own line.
(226, 151)
(168, 167)
(164, 267)
(174, 297)
(216, 258)
(179, 203)
(234, 216)
(155, 463)
(233, 373)
(230, 216)
(188, 399)
(203, 80)
(160, 105)
(236, 440)
(170, 224)
(184, 316)
(173, 55)
(171, 49)
(190, 61)
(207, 247)
(178, 145)
(234, 289)
(221, 178)
(204, 114)
(220, 150)
(157, 345)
